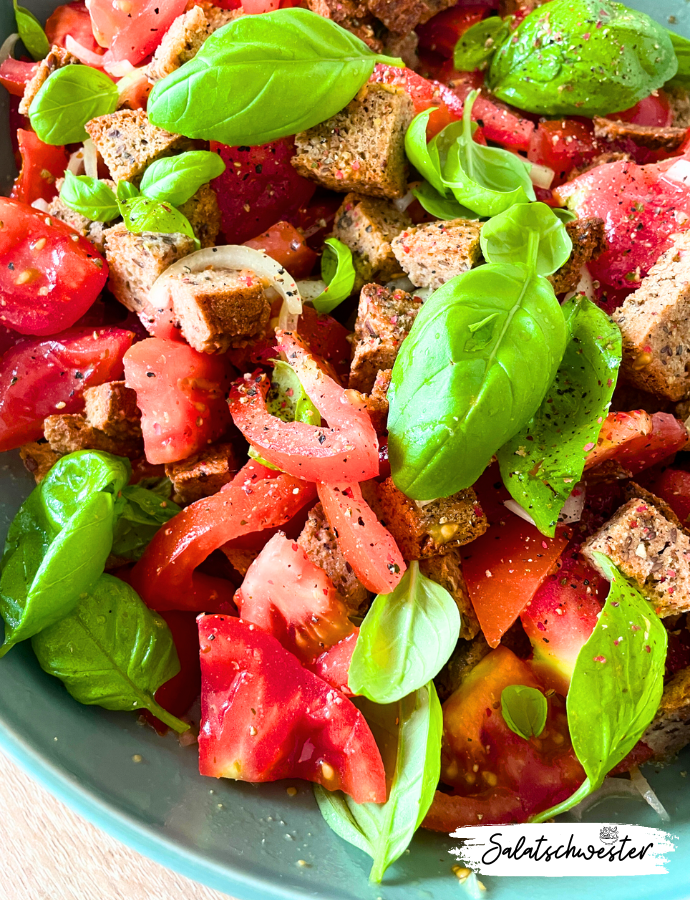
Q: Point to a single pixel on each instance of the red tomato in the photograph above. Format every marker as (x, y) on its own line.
(618, 430)
(40, 378)
(258, 188)
(136, 94)
(315, 221)
(286, 245)
(654, 111)
(50, 275)
(134, 29)
(288, 596)
(15, 74)
(72, 19)
(256, 499)
(266, 717)
(42, 165)
(181, 395)
(449, 811)
(346, 451)
(365, 543)
(669, 435)
(673, 486)
(442, 32)
(178, 694)
(333, 666)
(563, 145)
(424, 93)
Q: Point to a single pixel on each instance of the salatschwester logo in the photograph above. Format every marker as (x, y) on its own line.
(561, 849)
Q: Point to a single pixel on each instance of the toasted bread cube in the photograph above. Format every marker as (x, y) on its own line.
(404, 15)
(321, 546)
(204, 473)
(69, 433)
(112, 408)
(404, 45)
(93, 231)
(589, 242)
(362, 148)
(384, 320)
(669, 730)
(350, 14)
(465, 657)
(655, 324)
(39, 458)
(653, 137)
(185, 37)
(430, 529)
(679, 101)
(203, 213)
(377, 401)
(367, 226)
(57, 58)
(434, 253)
(446, 570)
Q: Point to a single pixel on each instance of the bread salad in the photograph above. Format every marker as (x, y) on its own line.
(348, 345)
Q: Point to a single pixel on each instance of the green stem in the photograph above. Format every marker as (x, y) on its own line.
(583, 791)
(532, 249)
(167, 718)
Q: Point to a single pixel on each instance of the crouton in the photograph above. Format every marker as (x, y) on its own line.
(352, 15)
(434, 253)
(128, 143)
(181, 42)
(321, 546)
(446, 570)
(377, 401)
(653, 137)
(669, 730)
(204, 473)
(361, 148)
(464, 658)
(57, 58)
(679, 101)
(39, 458)
(403, 15)
(112, 408)
(203, 213)
(69, 433)
(367, 226)
(135, 262)
(93, 231)
(649, 549)
(430, 529)
(239, 558)
(655, 324)
(589, 242)
(403, 45)
(384, 320)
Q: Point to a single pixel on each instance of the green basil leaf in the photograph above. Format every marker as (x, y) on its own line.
(478, 44)
(287, 399)
(31, 32)
(405, 639)
(543, 462)
(474, 369)
(565, 215)
(524, 710)
(338, 271)
(68, 99)
(89, 197)
(162, 487)
(439, 206)
(142, 514)
(127, 191)
(424, 156)
(141, 214)
(175, 179)
(616, 685)
(111, 651)
(384, 831)
(681, 47)
(261, 78)
(582, 58)
(73, 479)
(527, 233)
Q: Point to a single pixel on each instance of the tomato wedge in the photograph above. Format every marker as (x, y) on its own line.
(673, 486)
(42, 165)
(15, 74)
(265, 717)
(333, 666)
(618, 430)
(638, 440)
(286, 245)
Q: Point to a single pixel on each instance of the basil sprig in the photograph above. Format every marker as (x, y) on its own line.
(141, 214)
(31, 33)
(405, 639)
(177, 178)
(530, 233)
(126, 191)
(68, 99)
(476, 47)
(89, 197)
(524, 710)
(411, 729)
(616, 685)
(261, 78)
(338, 271)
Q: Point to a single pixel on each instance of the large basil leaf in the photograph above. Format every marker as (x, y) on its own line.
(111, 651)
(425, 156)
(75, 477)
(582, 58)
(405, 639)
(142, 514)
(415, 726)
(616, 685)
(142, 214)
(477, 45)
(529, 233)
(89, 197)
(68, 99)
(338, 272)
(261, 78)
(542, 463)
(175, 179)
(474, 369)
(31, 33)
(681, 47)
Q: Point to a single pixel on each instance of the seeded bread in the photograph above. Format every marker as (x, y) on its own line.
(377, 401)
(434, 253)
(185, 37)
(352, 15)
(39, 458)
(57, 58)
(112, 408)
(204, 215)
(204, 473)
(589, 242)
(446, 571)
(653, 137)
(367, 226)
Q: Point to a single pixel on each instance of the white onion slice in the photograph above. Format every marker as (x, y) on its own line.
(679, 171)
(83, 54)
(310, 288)
(90, 159)
(41, 204)
(645, 789)
(612, 787)
(573, 506)
(584, 286)
(541, 176)
(7, 48)
(403, 202)
(515, 507)
(118, 67)
(401, 284)
(76, 162)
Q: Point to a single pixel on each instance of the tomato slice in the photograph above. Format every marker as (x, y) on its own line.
(286, 245)
(40, 378)
(42, 165)
(15, 74)
(288, 596)
(638, 440)
(256, 499)
(266, 717)
(134, 29)
(654, 111)
(49, 275)
(72, 19)
(178, 694)
(618, 430)
(442, 32)
(333, 666)
(563, 145)
(366, 544)
(673, 486)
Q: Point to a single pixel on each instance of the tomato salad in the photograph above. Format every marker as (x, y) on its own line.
(350, 356)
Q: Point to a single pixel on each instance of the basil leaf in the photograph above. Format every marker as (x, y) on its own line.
(162, 487)
(143, 513)
(127, 191)
(141, 214)
(478, 44)
(405, 639)
(616, 685)
(287, 399)
(177, 178)
(68, 99)
(264, 77)
(681, 47)
(111, 651)
(31, 33)
(524, 710)
(89, 197)
(542, 463)
(338, 271)
(473, 370)
(565, 215)
(424, 156)
(384, 831)
(73, 479)
(439, 206)
(528, 233)
(582, 58)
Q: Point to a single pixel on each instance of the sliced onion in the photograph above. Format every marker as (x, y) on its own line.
(129, 79)
(83, 54)
(573, 506)
(679, 171)
(76, 162)
(515, 507)
(41, 204)
(403, 202)
(584, 286)
(7, 48)
(612, 787)
(117, 68)
(645, 789)
(310, 288)
(541, 176)
(401, 284)
(90, 159)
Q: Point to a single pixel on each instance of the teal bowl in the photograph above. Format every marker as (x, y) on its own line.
(253, 841)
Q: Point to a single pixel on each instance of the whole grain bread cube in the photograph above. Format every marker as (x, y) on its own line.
(384, 319)
(69, 433)
(39, 458)
(321, 546)
(361, 148)
(430, 529)
(128, 142)
(219, 308)
(203, 213)
(57, 58)
(352, 15)
(463, 659)
(136, 260)
(653, 137)
(185, 37)
(402, 44)
(404, 15)
(93, 231)
(367, 226)
(377, 401)
(112, 408)
(679, 101)
(446, 570)
(655, 324)
(433, 253)
(589, 242)
(239, 558)
(669, 730)
(204, 473)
